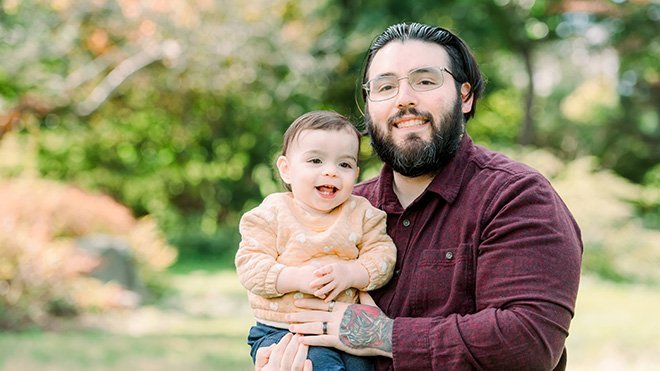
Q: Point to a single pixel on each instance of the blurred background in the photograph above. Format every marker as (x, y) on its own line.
(134, 134)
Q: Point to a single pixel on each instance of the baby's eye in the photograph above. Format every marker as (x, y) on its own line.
(346, 165)
(314, 160)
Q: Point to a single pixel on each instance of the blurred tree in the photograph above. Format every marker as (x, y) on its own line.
(177, 108)
(538, 54)
(171, 107)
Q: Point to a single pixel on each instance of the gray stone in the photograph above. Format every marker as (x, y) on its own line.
(117, 262)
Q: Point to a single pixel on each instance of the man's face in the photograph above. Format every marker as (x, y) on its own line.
(415, 132)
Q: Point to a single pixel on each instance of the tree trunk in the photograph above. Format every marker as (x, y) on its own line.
(526, 136)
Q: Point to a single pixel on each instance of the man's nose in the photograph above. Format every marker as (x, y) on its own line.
(406, 97)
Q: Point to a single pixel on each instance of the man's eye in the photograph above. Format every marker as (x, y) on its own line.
(385, 86)
(426, 82)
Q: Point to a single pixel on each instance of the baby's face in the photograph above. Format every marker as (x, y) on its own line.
(321, 167)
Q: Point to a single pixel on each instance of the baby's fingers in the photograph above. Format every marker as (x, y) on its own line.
(323, 291)
(321, 281)
(326, 269)
(333, 294)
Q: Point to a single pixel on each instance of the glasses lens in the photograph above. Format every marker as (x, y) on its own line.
(425, 79)
(421, 79)
(383, 88)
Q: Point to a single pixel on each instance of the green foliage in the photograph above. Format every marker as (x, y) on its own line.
(176, 109)
(648, 203)
(617, 245)
(220, 247)
(496, 121)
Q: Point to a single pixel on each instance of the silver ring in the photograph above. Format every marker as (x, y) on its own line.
(331, 307)
(325, 328)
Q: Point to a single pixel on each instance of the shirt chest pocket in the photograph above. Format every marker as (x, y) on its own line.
(443, 282)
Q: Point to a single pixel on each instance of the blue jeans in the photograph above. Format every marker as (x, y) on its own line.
(322, 358)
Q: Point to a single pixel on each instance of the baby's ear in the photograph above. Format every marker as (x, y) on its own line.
(357, 173)
(283, 167)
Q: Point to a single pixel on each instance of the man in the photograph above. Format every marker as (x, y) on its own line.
(488, 259)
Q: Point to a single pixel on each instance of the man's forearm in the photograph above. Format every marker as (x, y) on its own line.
(364, 326)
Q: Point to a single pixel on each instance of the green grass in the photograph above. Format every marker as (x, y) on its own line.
(203, 327)
(616, 327)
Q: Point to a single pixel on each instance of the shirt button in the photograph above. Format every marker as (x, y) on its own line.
(406, 222)
(449, 255)
(397, 272)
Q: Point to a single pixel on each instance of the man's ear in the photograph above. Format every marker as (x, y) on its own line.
(283, 168)
(466, 97)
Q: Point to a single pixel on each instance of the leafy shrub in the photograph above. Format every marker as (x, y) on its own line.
(43, 273)
(618, 244)
(220, 246)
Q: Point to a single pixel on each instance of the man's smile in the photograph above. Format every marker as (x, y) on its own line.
(408, 123)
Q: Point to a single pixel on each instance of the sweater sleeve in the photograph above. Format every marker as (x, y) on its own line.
(377, 250)
(256, 259)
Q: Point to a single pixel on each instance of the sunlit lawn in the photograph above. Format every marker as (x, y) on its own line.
(616, 327)
(204, 328)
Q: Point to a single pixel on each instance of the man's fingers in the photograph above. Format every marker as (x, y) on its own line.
(263, 354)
(320, 340)
(366, 299)
(301, 356)
(310, 316)
(290, 351)
(277, 352)
(318, 305)
(309, 328)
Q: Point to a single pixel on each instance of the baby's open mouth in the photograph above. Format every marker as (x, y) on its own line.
(327, 189)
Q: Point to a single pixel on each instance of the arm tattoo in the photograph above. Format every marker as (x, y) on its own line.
(364, 326)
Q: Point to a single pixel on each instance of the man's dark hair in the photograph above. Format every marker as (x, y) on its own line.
(463, 65)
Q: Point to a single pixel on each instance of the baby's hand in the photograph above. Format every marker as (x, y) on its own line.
(333, 279)
(305, 275)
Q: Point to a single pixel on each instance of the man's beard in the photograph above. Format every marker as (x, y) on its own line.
(415, 156)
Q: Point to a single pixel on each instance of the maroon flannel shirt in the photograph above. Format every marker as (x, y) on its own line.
(487, 270)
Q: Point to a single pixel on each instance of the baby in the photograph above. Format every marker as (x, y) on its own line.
(317, 240)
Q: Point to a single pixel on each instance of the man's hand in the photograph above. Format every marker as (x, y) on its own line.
(358, 329)
(337, 277)
(288, 354)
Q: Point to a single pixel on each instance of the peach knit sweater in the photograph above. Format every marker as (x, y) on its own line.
(278, 233)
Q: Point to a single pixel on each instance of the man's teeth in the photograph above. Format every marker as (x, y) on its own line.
(410, 123)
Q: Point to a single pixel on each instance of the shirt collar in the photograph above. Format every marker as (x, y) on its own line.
(446, 184)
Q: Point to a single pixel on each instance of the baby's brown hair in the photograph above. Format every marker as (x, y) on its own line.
(317, 120)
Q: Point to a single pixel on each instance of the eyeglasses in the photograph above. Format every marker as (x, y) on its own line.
(420, 80)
